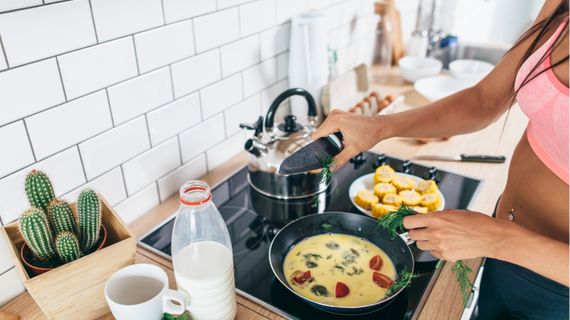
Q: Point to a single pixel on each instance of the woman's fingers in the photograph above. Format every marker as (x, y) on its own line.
(424, 245)
(417, 221)
(342, 158)
(419, 234)
(329, 126)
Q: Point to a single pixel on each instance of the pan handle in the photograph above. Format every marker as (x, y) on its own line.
(406, 238)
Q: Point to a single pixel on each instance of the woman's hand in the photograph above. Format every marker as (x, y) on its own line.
(453, 235)
(360, 133)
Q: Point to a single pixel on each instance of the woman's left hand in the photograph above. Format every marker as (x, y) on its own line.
(455, 234)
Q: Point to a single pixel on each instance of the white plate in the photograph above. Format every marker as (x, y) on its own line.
(435, 88)
(367, 182)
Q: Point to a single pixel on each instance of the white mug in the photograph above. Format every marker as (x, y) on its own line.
(141, 292)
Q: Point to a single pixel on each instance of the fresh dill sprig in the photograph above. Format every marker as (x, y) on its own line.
(326, 175)
(404, 280)
(461, 272)
(394, 221)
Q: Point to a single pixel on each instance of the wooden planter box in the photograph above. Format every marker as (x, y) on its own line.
(75, 290)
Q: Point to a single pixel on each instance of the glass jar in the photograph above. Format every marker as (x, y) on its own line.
(202, 255)
(382, 57)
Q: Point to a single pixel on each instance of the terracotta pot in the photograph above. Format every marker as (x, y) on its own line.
(36, 271)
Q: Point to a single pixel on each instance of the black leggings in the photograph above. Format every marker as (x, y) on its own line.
(510, 291)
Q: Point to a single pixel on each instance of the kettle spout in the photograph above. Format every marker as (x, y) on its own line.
(250, 146)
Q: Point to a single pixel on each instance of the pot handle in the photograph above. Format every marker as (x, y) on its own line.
(286, 94)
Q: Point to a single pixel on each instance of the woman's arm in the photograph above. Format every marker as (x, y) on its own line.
(457, 234)
(466, 111)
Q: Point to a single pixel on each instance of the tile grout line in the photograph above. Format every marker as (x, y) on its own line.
(163, 12)
(3, 273)
(171, 83)
(61, 79)
(30, 142)
(124, 182)
(93, 20)
(110, 109)
(132, 36)
(4, 52)
(82, 165)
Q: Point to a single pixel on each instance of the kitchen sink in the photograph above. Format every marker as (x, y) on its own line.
(490, 54)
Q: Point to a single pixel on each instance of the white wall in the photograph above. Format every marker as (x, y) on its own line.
(133, 97)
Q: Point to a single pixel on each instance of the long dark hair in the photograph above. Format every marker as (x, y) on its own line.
(540, 29)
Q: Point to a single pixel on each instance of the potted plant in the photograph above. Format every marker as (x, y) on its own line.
(63, 250)
(53, 235)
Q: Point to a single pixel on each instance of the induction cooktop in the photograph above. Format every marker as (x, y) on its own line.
(253, 220)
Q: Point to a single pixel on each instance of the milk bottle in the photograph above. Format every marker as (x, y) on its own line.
(202, 255)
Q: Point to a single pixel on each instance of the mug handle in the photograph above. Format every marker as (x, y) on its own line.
(170, 307)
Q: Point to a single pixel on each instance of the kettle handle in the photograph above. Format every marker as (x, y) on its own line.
(286, 94)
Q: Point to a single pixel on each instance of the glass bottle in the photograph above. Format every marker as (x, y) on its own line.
(382, 57)
(202, 255)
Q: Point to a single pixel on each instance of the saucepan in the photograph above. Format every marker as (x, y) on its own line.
(339, 223)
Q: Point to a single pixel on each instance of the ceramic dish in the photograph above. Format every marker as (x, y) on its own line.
(414, 68)
(367, 182)
(470, 69)
(438, 87)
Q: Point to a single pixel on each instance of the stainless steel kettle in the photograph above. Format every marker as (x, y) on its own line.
(270, 145)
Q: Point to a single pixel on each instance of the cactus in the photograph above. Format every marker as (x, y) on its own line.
(89, 218)
(39, 190)
(61, 217)
(67, 247)
(34, 227)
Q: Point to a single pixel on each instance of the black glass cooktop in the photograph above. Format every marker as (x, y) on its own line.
(253, 220)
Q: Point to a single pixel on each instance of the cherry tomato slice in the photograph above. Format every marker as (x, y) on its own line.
(300, 277)
(376, 263)
(382, 280)
(341, 290)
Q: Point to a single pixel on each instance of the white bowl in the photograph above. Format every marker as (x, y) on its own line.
(435, 88)
(414, 68)
(468, 69)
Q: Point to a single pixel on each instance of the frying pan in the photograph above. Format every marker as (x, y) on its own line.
(344, 223)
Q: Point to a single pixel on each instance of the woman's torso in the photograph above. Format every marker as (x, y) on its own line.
(536, 195)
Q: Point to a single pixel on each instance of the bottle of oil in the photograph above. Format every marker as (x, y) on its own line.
(382, 57)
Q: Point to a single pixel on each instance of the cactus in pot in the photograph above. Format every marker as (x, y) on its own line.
(35, 229)
(61, 217)
(39, 189)
(67, 247)
(89, 218)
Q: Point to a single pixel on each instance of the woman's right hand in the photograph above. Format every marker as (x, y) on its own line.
(360, 133)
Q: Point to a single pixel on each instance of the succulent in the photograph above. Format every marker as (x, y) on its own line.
(89, 218)
(60, 216)
(39, 189)
(67, 247)
(35, 229)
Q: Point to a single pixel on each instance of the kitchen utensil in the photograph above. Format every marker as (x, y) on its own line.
(414, 68)
(140, 291)
(398, 47)
(343, 223)
(312, 156)
(367, 182)
(438, 87)
(308, 58)
(470, 69)
(464, 158)
(270, 145)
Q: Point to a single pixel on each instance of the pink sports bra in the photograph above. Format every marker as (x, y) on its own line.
(545, 101)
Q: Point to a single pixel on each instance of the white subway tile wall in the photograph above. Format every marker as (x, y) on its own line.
(134, 97)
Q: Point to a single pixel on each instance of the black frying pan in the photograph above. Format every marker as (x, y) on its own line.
(343, 223)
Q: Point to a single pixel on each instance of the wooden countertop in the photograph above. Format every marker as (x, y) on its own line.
(444, 302)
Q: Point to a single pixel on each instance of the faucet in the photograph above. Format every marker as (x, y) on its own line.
(428, 24)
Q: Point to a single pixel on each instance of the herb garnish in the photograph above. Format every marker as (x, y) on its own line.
(326, 175)
(404, 280)
(462, 275)
(184, 316)
(394, 223)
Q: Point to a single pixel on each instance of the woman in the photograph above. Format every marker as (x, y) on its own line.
(526, 271)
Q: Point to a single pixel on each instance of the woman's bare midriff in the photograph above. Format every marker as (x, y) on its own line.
(539, 198)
